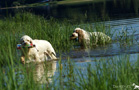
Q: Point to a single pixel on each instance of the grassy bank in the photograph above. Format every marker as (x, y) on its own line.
(63, 2)
(73, 1)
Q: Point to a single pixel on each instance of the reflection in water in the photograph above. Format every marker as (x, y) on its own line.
(103, 10)
(43, 72)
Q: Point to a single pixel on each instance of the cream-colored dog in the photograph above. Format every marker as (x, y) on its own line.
(36, 50)
(135, 86)
(85, 38)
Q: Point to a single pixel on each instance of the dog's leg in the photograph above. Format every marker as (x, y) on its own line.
(50, 54)
(22, 58)
(46, 55)
(37, 58)
(96, 37)
(30, 61)
(53, 55)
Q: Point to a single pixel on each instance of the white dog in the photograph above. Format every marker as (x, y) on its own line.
(36, 50)
(135, 86)
(84, 37)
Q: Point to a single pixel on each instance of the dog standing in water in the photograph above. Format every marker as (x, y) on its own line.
(36, 50)
(85, 38)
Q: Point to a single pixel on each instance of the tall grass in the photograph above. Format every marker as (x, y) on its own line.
(108, 74)
(37, 27)
(114, 73)
(12, 28)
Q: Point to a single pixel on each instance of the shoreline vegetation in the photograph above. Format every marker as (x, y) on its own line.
(55, 31)
(104, 74)
(64, 2)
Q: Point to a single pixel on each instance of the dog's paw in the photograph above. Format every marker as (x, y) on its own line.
(29, 61)
(38, 61)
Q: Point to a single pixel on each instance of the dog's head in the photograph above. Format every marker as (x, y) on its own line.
(26, 40)
(133, 84)
(77, 34)
(74, 36)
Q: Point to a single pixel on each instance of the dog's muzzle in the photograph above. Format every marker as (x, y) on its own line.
(73, 38)
(24, 43)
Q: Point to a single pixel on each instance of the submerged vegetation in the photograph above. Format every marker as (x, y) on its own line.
(104, 74)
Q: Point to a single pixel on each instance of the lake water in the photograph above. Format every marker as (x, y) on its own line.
(121, 15)
(87, 11)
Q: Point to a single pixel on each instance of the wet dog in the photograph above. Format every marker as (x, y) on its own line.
(86, 38)
(135, 86)
(36, 50)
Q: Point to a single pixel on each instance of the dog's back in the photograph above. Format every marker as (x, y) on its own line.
(43, 45)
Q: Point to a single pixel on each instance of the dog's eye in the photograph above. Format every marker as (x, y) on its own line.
(28, 40)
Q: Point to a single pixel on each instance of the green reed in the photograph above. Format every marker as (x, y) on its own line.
(37, 27)
(55, 31)
(106, 73)
(103, 75)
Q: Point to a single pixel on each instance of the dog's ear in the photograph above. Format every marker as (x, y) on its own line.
(80, 32)
(77, 31)
(30, 39)
(80, 35)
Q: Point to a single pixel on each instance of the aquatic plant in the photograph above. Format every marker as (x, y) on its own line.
(104, 74)
(56, 32)
(110, 73)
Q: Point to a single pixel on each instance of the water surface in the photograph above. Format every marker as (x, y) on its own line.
(87, 12)
(121, 15)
